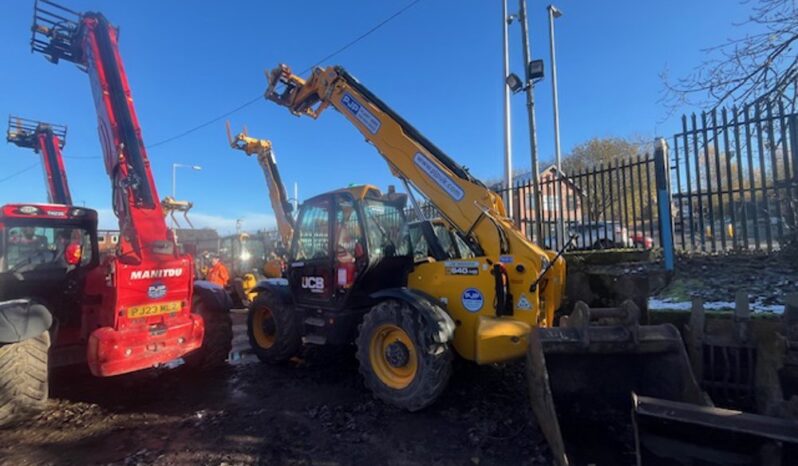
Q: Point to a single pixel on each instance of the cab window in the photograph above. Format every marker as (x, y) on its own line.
(28, 247)
(313, 240)
(386, 228)
(348, 236)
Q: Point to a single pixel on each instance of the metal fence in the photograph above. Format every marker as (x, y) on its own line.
(612, 205)
(728, 181)
(733, 178)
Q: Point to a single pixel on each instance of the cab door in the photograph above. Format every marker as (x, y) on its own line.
(311, 263)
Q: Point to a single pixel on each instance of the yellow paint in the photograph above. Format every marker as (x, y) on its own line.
(500, 339)
(263, 338)
(432, 278)
(397, 377)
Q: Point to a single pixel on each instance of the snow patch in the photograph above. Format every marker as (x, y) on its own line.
(657, 304)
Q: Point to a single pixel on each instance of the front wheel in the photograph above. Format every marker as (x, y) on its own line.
(396, 363)
(273, 329)
(23, 378)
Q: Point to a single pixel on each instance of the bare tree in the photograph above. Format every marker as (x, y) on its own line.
(761, 65)
(596, 156)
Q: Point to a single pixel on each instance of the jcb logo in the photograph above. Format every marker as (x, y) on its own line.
(314, 284)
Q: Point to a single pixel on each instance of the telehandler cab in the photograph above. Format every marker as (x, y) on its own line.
(354, 276)
(47, 253)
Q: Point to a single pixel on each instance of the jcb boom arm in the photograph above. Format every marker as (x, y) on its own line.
(464, 201)
(280, 205)
(47, 140)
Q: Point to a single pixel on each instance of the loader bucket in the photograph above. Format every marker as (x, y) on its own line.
(670, 432)
(582, 375)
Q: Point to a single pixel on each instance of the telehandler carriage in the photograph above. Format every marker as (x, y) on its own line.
(46, 140)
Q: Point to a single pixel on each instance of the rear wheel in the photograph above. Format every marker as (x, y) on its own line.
(272, 329)
(396, 363)
(218, 338)
(23, 378)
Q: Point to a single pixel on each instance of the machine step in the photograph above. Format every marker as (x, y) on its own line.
(314, 340)
(315, 322)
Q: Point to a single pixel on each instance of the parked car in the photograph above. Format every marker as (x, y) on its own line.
(601, 235)
(640, 240)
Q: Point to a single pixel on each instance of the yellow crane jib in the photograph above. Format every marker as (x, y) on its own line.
(262, 148)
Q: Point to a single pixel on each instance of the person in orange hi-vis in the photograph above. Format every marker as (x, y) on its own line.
(218, 272)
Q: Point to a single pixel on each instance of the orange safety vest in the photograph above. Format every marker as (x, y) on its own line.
(218, 274)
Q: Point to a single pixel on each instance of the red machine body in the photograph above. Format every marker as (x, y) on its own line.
(145, 289)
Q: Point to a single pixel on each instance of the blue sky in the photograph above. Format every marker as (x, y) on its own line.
(439, 65)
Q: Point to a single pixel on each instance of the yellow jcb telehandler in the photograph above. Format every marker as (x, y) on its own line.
(359, 272)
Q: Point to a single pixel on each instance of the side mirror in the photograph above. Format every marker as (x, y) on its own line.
(73, 254)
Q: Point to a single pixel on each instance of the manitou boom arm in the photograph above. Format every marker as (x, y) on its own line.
(47, 140)
(279, 200)
(143, 307)
(90, 41)
(472, 208)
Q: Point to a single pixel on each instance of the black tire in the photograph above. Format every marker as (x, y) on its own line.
(273, 329)
(23, 379)
(433, 361)
(218, 338)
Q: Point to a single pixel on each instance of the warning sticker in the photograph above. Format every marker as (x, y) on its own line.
(523, 303)
(461, 267)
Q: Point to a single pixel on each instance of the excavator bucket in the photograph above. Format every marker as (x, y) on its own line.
(582, 375)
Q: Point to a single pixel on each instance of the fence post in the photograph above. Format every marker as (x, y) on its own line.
(792, 178)
(661, 172)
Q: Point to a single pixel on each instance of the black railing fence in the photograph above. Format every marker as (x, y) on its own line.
(729, 180)
(734, 178)
(612, 205)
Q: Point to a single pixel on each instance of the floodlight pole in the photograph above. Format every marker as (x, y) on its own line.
(508, 148)
(533, 135)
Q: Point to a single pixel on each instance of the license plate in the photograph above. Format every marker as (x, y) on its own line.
(147, 310)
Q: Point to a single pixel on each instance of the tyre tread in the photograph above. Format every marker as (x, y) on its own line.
(23, 379)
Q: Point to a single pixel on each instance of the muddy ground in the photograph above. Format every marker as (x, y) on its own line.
(767, 279)
(249, 413)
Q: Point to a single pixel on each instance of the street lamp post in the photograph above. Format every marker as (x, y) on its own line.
(556, 13)
(175, 166)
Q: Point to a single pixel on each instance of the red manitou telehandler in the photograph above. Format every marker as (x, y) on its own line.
(47, 140)
(136, 309)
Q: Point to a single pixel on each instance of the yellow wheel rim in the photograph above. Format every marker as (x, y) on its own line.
(393, 356)
(263, 328)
